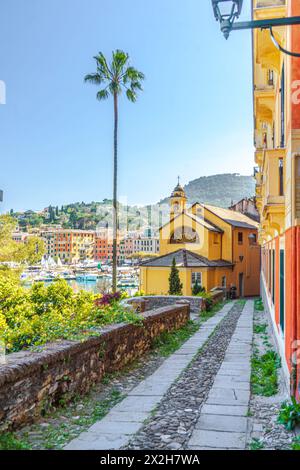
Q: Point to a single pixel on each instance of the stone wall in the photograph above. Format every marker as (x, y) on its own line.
(197, 304)
(157, 301)
(31, 382)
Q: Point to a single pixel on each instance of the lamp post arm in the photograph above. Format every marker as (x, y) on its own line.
(265, 24)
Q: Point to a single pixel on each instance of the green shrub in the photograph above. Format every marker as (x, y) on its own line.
(289, 414)
(9, 442)
(31, 317)
(207, 300)
(264, 378)
(296, 443)
(259, 305)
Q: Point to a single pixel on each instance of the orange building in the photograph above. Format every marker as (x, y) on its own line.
(277, 140)
(103, 247)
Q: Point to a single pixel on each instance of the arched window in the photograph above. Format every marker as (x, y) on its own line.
(184, 235)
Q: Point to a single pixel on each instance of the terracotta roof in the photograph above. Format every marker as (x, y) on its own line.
(186, 259)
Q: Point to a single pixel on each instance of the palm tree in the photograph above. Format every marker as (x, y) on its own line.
(115, 77)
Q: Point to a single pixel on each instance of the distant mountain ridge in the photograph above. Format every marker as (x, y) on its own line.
(219, 190)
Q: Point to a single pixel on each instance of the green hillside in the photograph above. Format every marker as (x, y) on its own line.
(219, 190)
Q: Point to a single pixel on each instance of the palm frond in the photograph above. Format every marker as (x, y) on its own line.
(131, 95)
(102, 66)
(94, 78)
(136, 86)
(119, 60)
(102, 95)
(132, 74)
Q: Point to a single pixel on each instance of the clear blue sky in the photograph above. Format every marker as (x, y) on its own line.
(194, 117)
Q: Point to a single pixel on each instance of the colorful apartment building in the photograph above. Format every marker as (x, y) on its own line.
(277, 140)
(69, 245)
(212, 246)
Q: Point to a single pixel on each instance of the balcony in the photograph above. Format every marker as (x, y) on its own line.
(257, 173)
(270, 191)
(259, 156)
(264, 103)
(269, 3)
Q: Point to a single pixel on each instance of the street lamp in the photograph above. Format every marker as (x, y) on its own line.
(227, 11)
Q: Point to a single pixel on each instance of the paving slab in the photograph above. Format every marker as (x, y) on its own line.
(127, 416)
(213, 422)
(227, 396)
(138, 403)
(230, 384)
(226, 410)
(107, 426)
(218, 439)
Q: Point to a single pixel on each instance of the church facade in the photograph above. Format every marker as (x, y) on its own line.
(212, 246)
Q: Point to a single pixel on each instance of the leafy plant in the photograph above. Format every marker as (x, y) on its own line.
(260, 328)
(108, 299)
(197, 289)
(207, 300)
(256, 444)
(259, 305)
(168, 342)
(289, 414)
(296, 443)
(264, 378)
(9, 442)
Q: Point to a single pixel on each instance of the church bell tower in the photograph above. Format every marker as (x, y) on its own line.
(177, 201)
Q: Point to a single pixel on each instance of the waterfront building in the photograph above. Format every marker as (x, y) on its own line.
(277, 140)
(69, 245)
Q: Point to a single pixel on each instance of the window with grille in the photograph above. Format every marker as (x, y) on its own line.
(197, 278)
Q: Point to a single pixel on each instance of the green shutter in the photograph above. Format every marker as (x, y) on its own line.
(282, 322)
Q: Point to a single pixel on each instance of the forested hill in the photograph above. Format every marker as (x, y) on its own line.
(219, 190)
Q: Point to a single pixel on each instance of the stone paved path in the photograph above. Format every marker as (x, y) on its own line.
(125, 419)
(223, 419)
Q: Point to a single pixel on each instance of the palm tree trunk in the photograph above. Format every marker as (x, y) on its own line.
(115, 201)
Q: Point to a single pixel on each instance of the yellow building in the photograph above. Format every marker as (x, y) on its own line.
(215, 247)
(277, 141)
